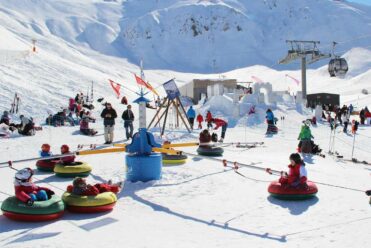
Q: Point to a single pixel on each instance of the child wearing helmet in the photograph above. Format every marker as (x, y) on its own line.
(45, 151)
(297, 175)
(68, 160)
(80, 187)
(26, 191)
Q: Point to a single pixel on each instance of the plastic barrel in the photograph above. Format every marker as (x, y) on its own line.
(143, 167)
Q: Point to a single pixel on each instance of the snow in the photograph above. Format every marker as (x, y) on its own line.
(199, 204)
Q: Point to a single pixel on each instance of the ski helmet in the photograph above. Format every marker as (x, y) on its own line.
(23, 175)
(45, 147)
(65, 148)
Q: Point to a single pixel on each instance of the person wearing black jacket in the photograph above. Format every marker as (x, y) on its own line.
(108, 114)
(128, 117)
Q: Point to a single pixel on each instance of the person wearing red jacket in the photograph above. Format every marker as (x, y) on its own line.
(297, 175)
(68, 160)
(80, 187)
(28, 192)
(220, 123)
(200, 119)
(208, 119)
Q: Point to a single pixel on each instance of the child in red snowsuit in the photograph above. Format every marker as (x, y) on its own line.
(208, 119)
(200, 119)
(80, 187)
(68, 159)
(26, 191)
(297, 175)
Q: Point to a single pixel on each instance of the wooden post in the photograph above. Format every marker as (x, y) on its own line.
(158, 111)
(181, 116)
(166, 112)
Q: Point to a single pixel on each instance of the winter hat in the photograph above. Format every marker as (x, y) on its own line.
(6, 113)
(45, 147)
(65, 148)
(296, 158)
(79, 182)
(23, 175)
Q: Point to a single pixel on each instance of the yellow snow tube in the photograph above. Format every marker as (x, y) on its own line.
(75, 169)
(90, 204)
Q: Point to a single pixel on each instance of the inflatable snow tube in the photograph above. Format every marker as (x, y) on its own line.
(290, 193)
(90, 204)
(40, 211)
(75, 169)
(46, 165)
(211, 151)
(173, 159)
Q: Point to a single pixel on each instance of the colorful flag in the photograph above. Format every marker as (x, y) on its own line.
(256, 79)
(140, 81)
(296, 81)
(116, 87)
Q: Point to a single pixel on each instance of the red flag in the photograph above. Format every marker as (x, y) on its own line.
(116, 87)
(256, 79)
(296, 81)
(140, 81)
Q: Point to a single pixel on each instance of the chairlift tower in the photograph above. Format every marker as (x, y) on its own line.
(299, 49)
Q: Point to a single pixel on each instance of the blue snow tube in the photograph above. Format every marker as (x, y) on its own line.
(143, 167)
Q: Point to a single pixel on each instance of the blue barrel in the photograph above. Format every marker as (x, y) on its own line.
(143, 167)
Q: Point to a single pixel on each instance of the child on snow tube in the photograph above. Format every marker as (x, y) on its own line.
(297, 176)
(80, 187)
(205, 138)
(45, 151)
(68, 160)
(26, 191)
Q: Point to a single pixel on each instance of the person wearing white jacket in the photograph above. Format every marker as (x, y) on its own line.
(26, 126)
(345, 120)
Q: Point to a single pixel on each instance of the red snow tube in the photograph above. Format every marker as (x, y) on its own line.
(46, 165)
(32, 218)
(290, 193)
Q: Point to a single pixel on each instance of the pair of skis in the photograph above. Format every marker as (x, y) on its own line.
(14, 107)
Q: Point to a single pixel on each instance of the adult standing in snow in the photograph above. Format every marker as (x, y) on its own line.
(109, 115)
(128, 117)
(270, 120)
(208, 119)
(350, 108)
(362, 116)
(220, 123)
(191, 114)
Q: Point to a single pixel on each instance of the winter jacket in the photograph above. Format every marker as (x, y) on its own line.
(270, 116)
(305, 133)
(205, 137)
(219, 123)
(45, 154)
(68, 159)
(5, 119)
(128, 115)
(208, 117)
(367, 114)
(296, 173)
(109, 116)
(22, 191)
(84, 123)
(200, 118)
(191, 113)
(93, 190)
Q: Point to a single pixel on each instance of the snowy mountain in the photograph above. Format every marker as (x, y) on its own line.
(195, 35)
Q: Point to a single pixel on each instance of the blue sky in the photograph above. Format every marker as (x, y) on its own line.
(368, 2)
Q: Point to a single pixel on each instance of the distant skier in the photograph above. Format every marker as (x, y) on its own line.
(362, 116)
(191, 114)
(271, 129)
(345, 120)
(200, 119)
